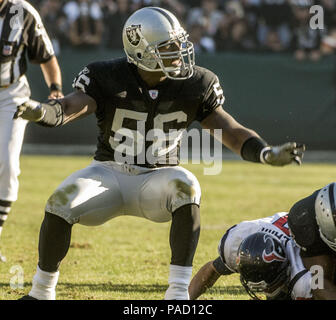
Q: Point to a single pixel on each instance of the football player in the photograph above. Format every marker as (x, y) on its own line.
(312, 223)
(264, 255)
(139, 101)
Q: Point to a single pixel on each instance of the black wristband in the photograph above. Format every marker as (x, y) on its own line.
(53, 114)
(55, 87)
(251, 149)
(220, 267)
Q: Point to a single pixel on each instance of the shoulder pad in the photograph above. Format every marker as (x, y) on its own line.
(303, 226)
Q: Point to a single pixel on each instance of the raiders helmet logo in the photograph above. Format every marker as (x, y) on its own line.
(273, 251)
(132, 34)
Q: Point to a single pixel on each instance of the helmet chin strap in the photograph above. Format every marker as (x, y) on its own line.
(174, 74)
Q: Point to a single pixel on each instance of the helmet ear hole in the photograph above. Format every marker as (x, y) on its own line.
(139, 55)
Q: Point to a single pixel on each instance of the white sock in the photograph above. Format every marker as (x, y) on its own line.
(179, 279)
(44, 285)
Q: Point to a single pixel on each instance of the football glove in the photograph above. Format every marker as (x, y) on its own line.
(283, 154)
(30, 110)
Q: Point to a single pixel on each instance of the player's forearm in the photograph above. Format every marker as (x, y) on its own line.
(327, 290)
(248, 144)
(72, 107)
(205, 278)
(328, 293)
(52, 72)
(232, 134)
(236, 138)
(57, 112)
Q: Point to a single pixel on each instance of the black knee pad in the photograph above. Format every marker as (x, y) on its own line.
(184, 234)
(54, 242)
(189, 214)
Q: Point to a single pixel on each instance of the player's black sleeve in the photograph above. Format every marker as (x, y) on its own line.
(39, 46)
(304, 229)
(220, 267)
(213, 96)
(89, 81)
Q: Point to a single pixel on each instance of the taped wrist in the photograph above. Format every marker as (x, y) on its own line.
(252, 148)
(53, 114)
(55, 87)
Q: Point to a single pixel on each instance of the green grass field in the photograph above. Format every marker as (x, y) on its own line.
(128, 257)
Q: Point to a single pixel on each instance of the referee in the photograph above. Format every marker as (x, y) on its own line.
(22, 37)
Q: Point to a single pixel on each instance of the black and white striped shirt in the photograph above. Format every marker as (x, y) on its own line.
(22, 36)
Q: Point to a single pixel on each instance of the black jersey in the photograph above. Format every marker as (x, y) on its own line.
(304, 229)
(142, 125)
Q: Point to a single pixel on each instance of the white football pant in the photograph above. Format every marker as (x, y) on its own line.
(105, 190)
(11, 137)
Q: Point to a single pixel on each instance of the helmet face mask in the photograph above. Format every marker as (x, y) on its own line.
(263, 265)
(184, 54)
(269, 289)
(325, 208)
(146, 35)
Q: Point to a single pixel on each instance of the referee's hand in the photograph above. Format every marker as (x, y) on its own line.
(30, 110)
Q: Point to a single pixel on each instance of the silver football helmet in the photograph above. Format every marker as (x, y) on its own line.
(325, 208)
(145, 34)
